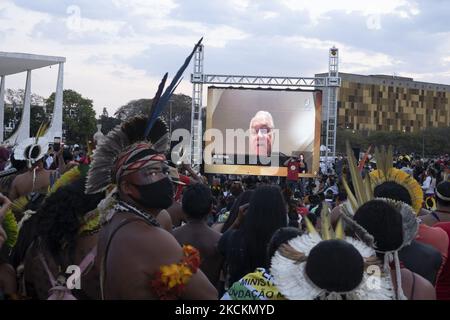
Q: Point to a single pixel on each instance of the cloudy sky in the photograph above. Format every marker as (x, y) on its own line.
(117, 50)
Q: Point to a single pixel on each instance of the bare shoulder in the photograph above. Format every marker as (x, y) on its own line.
(217, 227)
(165, 220)
(416, 287)
(6, 268)
(214, 233)
(146, 245)
(18, 179)
(179, 230)
(423, 290)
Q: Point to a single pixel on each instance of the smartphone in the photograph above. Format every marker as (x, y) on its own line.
(57, 144)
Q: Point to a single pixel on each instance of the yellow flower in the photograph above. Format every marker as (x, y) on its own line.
(175, 274)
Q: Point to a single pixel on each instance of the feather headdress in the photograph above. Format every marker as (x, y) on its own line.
(33, 149)
(152, 131)
(364, 193)
(288, 266)
(386, 172)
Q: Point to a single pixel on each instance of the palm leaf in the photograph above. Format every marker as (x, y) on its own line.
(350, 195)
(339, 233)
(310, 227)
(41, 131)
(326, 228)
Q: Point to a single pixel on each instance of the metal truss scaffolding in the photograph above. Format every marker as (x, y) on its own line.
(329, 85)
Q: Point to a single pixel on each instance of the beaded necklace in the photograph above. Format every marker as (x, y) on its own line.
(122, 206)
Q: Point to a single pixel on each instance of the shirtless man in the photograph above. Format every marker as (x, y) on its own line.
(36, 179)
(177, 215)
(175, 210)
(179, 182)
(197, 203)
(135, 254)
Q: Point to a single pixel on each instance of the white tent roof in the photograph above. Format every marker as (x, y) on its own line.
(12, 63)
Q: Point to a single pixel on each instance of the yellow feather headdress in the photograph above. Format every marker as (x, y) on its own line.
(386, 172)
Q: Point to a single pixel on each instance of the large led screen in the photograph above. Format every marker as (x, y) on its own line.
(255, 131)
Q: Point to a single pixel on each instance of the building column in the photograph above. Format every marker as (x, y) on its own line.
(58, 107)
(24, 128)
(55, 129)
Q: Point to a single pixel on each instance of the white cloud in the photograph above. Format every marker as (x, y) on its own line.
(98, 50)
(351, 59)
(147, 8)
(92, 68)
(373, 22)
(239, 5)
(79, 25)
(215, 35)
(270, 15)
(97, 80)
(318, 9)
(442, 77)
(15, 19)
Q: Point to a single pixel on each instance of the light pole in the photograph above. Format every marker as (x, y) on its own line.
(423, 143)
(170, 115)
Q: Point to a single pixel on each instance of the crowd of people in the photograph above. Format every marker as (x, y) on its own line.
(118, 220)
(140, 227)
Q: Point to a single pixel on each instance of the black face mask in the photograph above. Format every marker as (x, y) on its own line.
(157, 195)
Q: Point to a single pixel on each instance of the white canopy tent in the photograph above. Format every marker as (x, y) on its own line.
(13, 63)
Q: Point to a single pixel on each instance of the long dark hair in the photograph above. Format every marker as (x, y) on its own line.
(266, 214)
(241, 200)
(60, 217)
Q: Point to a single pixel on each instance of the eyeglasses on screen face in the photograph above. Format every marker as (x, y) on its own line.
(264, 130)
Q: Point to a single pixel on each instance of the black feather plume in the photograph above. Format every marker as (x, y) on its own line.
(156, 100)
(164, 99)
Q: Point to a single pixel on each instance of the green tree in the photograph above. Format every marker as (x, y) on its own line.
(13, 115)
(78, 116)
(108, 123)
(356, 139)
(178, 111)
(428, 142)
(38, 116)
